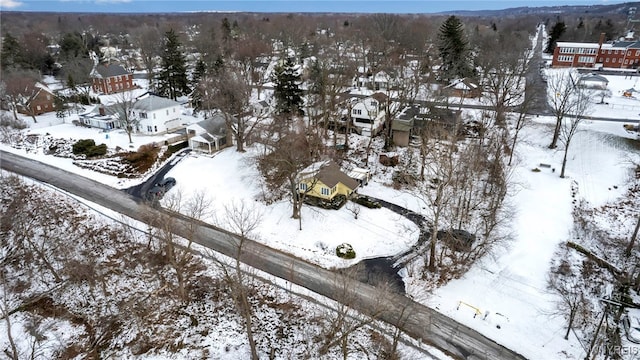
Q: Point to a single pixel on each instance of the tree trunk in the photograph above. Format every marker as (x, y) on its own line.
(564, 160)
(632, 241)
(572, 315)
(556, 134)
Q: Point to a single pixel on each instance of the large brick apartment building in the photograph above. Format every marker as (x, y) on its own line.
(619, 54)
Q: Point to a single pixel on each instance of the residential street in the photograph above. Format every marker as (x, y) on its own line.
(423, 323)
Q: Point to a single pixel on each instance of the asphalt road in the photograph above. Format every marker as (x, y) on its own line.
(416, 320)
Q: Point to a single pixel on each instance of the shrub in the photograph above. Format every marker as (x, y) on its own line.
(535, 170)
(10, 122)
(88, 148)
(345, 251)
(143, 159)
(81, 146)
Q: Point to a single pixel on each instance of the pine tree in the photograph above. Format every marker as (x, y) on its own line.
(454, 50)
(172, 79)
(287, 88)
(556, 31)
(11, 55)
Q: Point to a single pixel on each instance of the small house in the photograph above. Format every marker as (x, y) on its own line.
(463, 88)
(37, 99)
(210, 135)
(325, 180)
(591, 81)
(368, 114)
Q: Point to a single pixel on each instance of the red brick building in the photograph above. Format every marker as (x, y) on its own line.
(111, 78)
(38, 99)
(619, 54)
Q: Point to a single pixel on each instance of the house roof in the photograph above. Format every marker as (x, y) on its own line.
(462, 84)
(381, 97)
(329, 173)
(594, 78)
(215, 125)
(106, 70)
(153, 102)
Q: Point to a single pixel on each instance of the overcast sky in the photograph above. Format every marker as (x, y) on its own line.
(350, 6)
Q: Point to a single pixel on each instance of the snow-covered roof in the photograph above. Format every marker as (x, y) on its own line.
(153, 102)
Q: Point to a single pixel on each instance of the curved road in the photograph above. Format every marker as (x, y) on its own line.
(418, 321)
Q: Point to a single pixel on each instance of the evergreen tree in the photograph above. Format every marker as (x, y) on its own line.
(198, 73)
(556, 31)
(454, 50)
(172, 79)
(11, 52)
(287, 88)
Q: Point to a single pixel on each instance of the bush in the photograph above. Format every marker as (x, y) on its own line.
(345, 251)
(143, 159)
(88, 148)
(10, 122)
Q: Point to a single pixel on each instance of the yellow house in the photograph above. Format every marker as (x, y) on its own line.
(325, 180)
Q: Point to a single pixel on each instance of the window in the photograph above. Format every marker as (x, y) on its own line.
(357, 112)
(143, 115)
(565, 58)
(609, 51)
(628, 53)
(325, 191)
(585, 59)
(149, 128)
(155, 128)
(38, 107)
(302, 187)
(48, 97)
(333, 189)
(167, 112)
(374, 103)
(626, 62)
(607, 60)
(637, 52)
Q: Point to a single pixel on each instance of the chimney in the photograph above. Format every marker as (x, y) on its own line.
(102, 112)
(602, 35)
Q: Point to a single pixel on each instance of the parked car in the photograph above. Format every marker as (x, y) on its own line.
(631, 324)
(155, 193)
(366, 201)
(167, 183)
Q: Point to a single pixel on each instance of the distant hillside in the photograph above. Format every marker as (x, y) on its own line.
(602, 10)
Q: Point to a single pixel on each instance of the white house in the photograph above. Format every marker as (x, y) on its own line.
(156, 114)
(368, 114)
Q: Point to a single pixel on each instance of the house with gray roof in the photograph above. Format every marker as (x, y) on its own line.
(156, 115)
(211, 134)
(110, 78)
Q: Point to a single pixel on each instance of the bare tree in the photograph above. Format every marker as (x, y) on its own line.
(242, 219)
(288, 154)
(565, 281)
(632, 240)
(122, 110)
(149, 41)
(230, 92)
(20, 90)
(565, 98)
(581, 107)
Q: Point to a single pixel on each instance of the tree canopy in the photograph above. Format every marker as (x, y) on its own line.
(454, 50)
(172, 79)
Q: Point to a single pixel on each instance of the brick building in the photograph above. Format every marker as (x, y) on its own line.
(111, 78)
(618, 54)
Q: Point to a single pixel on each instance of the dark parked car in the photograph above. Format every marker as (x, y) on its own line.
(155, 193)
(167, 183)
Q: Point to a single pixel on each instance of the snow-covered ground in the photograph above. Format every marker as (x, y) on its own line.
(510, 285)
